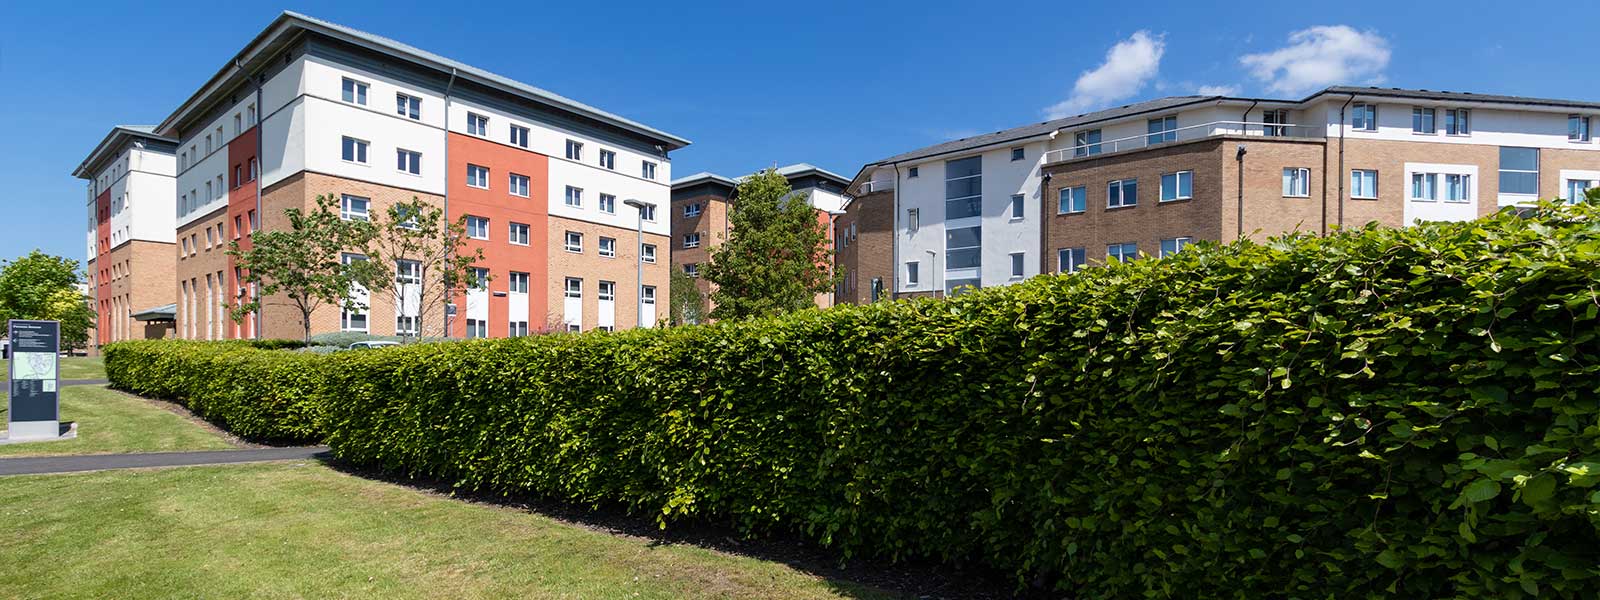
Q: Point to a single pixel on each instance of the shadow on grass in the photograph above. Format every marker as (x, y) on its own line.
(855, 578)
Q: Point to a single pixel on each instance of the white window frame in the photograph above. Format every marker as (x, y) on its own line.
(1369, 115)
(647, 253)
(691, 239)
(1355, 178)
(473, 222)
(607, 247)
(1459, 119)
(517, 233)
(573, 242)
(691, 210)
(1424, 114)
(1065, 208)
(1454, 182)
(1178, 244)
(408, 106)
(1583, 136)
(358, 148)
(353, 91)
(1018, 209)
(1122, 255)
(406, 160)
(648, 213)
(477, 124)
(572, 287)
(1296, 182)
(913, 220)
(1071, 260)
(574, 150)
(1019, 264)
(477, 176)
(1178, 179)
(913, 273)
(574, 197)
(647, 170)
(608, 159)
(1121, 197)
(608, 204)
(1424, 183)
(348, 213)
(519, 136)
(512, 285)
(512, 183)
(605, 291)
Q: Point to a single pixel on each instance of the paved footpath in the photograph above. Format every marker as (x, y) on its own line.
(33, 465)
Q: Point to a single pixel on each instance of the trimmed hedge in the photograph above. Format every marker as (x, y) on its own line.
(1379, 412)
(253, 388)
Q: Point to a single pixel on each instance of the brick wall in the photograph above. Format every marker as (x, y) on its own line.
(712, 225)
(870, 253)
(593, 268)
(201, 314)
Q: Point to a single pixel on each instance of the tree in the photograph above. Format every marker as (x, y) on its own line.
(776, 258)
(686, 305)
(421, 258)
(306, 262)
(44, 287)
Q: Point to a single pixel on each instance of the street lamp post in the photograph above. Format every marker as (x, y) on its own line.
(933, 267)
(638, 261)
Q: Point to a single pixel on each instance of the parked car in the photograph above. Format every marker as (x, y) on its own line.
(372, 345)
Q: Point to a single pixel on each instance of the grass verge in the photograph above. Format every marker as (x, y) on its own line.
(110, 422)
(303, 530)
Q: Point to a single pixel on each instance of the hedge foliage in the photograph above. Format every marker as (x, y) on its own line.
(251, 388)
(1376, 413)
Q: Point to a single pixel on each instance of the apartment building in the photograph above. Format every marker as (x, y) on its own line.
(547, 186)
(1147, 179)
(700, 213)
(129, 235)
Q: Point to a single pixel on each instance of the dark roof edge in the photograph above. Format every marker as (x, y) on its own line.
(113, 139)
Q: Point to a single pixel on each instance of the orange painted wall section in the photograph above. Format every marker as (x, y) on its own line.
(502, 208)
(241, 202)
(102, 232)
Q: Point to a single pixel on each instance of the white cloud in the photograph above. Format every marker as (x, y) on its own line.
(1129, 65)
(1319, 57)
(1218, 90)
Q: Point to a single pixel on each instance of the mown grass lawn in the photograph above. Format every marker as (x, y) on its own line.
(303, 530)
(109, 422)
(72, 367)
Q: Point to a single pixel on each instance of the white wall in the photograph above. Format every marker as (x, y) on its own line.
(321, 119)
(1440, 210)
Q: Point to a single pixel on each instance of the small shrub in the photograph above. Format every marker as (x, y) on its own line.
(260, 395)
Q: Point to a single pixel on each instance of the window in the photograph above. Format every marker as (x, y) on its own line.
(354, 208)
(1578, 189)
(1296, 182)
(518, 234)
(477, 176)
(208, 143)
(574, 150)
(354, 150)
(608, 159)
(408, 272)
(238, 225)
(1016, 264)
(912, 218)
(574, 242)
(1424, 187)
(518, 185)
(477, 228)
(1122, 193)
(647, 253)
(1018, 154)
(1072, 200)
(648, 213)
(219, 187)
(574, 287)
(211, 238)
(691, 269)
(1422, 121)
(1177, 186)
(477, 329)
(1578, 128)
(1457, 121)
(251, 111)
(519, 136)
(407, 161)
(185, 246)
(574, 328)
(1069, 259)
(1274, 117)
(1122, 252)
(1162, 130)
(963, 248)
(255, 223)
(1086, 143)
(479, 279)
(255, 166)
(1363, 183)
(608, 247)
(691, 210)
(1519, 170)
(517, 329)
(1173, 246)
(1016, 207)
(355, 92)
(963, 188)
(1457, 188)
(208, 196)
(913, 273)
(238, 126)
(648, 295)
(354, 320)
(517, 283)
(648, 170)
(606, 291)
(477, 124)
(608, 204)
(691, 240)
(408, 106)
(574, 197)
(238, 176)
(1364, 117)
(913, 173)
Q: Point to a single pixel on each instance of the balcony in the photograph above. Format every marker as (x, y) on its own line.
(876, 186)
(1187, 134)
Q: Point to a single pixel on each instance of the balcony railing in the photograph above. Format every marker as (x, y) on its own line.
(877, 186)
(1186, 134)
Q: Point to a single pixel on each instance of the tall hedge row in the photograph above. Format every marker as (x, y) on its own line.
(255, 389)
(1379, 412)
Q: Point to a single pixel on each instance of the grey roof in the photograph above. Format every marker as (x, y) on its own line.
(435, 61)
(1453, 96)
(112, 141)
(165, 311)
(1046, 127)
(788, 171)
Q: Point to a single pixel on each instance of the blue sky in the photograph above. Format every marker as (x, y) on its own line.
(836, 84)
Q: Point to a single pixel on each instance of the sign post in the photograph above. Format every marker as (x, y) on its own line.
(35, 410)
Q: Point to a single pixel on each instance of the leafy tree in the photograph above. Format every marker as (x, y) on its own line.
(44, 287)
(776, 258)
(436, 271)
(304, 264)
(687, 305)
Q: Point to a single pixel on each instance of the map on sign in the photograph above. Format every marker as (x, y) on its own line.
(34, 365)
